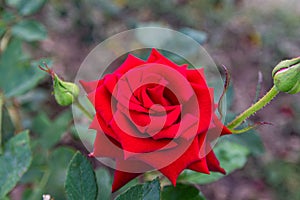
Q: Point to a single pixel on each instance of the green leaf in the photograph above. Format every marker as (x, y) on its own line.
(7, 17)
(186, 192)
(29, 30)
(104, 182)
(26, 7)
(18, 75)
(29, 7)
(7, 128)
(31, 76)
(250, 139)
(37, 167)
(11, 56)
(146, 191)
(127, 186)
(1, 108)
(14, 162)
(81, 180)
(50, 132)
(232, 156)
(13, 3)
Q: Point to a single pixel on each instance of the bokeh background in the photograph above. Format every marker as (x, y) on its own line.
(248, 37)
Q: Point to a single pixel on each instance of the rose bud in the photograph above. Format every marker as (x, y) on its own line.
(65, 93)
(286, 76)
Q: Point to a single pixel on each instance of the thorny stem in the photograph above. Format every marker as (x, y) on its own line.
(254, 108)
(248, 128)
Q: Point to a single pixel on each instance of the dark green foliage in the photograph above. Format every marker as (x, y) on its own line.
(146, 191)
(180, 192)
(14, 161)
(81, 182)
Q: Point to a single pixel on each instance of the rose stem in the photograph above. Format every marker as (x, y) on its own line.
(81, 107)
(254, 108)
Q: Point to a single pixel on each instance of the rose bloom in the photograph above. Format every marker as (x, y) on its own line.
(154, 114)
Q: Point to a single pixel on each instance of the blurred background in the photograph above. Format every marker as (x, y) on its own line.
(247, 37)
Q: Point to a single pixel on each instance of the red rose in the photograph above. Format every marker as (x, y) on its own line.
(154, 114)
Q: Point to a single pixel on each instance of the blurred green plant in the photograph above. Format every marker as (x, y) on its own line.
(284, 178)
(14, 161)
(18, 75)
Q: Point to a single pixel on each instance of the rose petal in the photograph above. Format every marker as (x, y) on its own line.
(128, 138)
(91, 85)
(95, 124)
(157, 57)
(170, 96)
(187, 129)
(218, 123)
(173, 170)
(144, 97)
(140, 118)
(156, 120)
(196, 76)
(121, 178)
(157, 95)
(110, 81)
(105, 127)
(103, 110)
(205, 106)
(130, 63)
(213, 162)
(217, 130)
(105, 146)
(162, 120)
(101, 99)
(200, 166)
